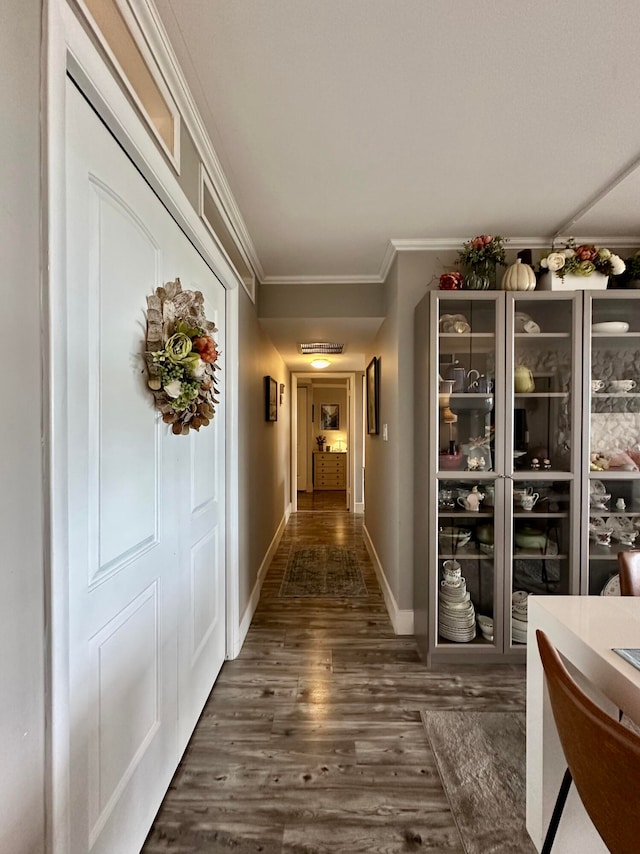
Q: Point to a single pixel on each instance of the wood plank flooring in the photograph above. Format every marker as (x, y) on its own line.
(311, 740)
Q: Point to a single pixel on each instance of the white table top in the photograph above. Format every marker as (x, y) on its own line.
(585, 629)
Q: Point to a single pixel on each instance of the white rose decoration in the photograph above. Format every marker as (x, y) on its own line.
(555, 261)
(617, 264)
(198, 369)
(568, 253)
(173, 389)
(543, 263)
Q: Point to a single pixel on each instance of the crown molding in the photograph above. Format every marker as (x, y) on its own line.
(156, 36)
(432, 244)
(628, 242)
(321, 280)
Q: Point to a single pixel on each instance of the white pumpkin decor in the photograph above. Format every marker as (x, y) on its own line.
(519, 277)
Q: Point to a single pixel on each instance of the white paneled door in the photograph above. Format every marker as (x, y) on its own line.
(145, 510)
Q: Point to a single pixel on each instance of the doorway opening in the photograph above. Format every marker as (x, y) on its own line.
(324, 452)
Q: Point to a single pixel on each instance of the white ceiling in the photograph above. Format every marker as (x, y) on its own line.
(356, 333)
(343, 124)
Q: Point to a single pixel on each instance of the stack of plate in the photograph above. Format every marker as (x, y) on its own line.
(519, 616)
(456, 614)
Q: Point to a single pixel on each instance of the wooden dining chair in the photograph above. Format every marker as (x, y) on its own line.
(629, 569)
(603, 759)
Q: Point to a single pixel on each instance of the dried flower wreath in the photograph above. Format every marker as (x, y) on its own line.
(181, 357)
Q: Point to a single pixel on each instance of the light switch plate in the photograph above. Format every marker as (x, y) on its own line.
(385, 432)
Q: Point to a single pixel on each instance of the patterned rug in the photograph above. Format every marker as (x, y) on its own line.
(481, 760)
(322, 571)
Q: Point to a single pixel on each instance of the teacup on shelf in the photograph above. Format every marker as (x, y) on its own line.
(599, 531)
(622, 386)
(597, 385)
(599, 500)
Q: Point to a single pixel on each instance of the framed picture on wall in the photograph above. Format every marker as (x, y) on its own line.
(329, 416)
(270, 399)
(373, 391)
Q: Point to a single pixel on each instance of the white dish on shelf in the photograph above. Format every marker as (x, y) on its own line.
(611, 327)
(612, 587)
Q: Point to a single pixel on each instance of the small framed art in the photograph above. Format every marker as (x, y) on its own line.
(270, 399)
(373, 391)
(329, 416)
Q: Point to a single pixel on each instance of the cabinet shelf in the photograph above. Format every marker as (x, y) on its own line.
(559, 394)
(623, 336)
(538, 514)
(537, 336)
(625, 394)
(444, 643)
(614, 512)
(614, 474)
(608, 552)
(464, 553)
(475, 335)
(469, 514)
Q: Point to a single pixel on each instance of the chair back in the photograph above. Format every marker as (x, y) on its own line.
(629, 568)
(602, 754)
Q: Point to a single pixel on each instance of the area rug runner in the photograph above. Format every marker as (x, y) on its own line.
(322, 571)
(481, 760)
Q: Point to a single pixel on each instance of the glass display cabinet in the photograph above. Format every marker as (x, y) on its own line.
(611, 458)
(497, 465)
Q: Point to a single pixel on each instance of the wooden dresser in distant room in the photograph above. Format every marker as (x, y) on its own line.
(329, 470)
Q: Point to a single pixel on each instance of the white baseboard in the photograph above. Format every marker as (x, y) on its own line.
(402, 621)
(358, 508)
(252, 604)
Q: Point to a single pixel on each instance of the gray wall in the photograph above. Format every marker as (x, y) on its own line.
(328, 300)
(264, 448)
(389, 465)
(381, 505)
(22, 628)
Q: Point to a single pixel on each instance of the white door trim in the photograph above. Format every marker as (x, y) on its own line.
(66, 46)
(351, 384)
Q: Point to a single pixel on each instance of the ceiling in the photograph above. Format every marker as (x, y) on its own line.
(356, 333)
(343, 124)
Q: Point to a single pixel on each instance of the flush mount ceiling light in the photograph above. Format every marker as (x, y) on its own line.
(320, 348)
(320, 363)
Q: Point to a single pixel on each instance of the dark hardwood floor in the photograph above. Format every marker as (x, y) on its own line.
(323, 500)
(311, 740)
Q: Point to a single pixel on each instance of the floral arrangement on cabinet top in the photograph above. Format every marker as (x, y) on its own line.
(582, 260)
(480, 256)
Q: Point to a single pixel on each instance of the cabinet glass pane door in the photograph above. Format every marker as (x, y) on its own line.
(614, 435)
(543, 377)
(542, 545)
(466, 403)
(466, 580)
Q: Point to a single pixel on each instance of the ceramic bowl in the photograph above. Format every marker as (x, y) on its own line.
(611, 327)
(484, 535)
(453, 537)
(450, 462)
(485, 624)
(531, 538)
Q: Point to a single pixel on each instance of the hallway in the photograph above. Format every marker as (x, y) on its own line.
(311, 740)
